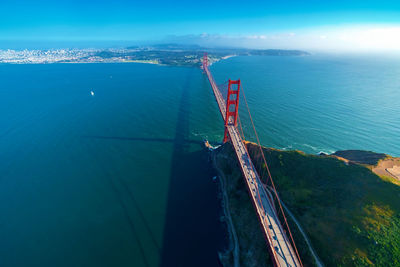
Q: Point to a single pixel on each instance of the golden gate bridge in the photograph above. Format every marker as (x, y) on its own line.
(282, 248)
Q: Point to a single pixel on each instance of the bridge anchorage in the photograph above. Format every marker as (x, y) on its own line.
(282, 250)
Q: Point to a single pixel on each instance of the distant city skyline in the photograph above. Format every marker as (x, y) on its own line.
(316, 25)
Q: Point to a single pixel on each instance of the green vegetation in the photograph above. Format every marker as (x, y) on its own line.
(253, 249)
(351, 215)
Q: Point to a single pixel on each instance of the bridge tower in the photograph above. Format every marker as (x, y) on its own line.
(205, 60)
(232, 106)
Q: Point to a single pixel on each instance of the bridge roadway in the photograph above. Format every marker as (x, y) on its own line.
(279, 245)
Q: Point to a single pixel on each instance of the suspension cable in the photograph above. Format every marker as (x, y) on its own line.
(241, 129)
(269, 175)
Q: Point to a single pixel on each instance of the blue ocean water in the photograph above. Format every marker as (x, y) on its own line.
(320, 103)
(120, 178)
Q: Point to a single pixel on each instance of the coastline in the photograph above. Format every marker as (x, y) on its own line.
(152, 62)
(229, 56)
(232, 254)
(82, 62)
(247, 243)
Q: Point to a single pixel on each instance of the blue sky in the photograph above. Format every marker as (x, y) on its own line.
(197, 20)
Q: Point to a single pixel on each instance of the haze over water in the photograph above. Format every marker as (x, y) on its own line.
(121, 178)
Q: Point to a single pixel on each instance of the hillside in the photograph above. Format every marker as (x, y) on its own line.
(350, 214)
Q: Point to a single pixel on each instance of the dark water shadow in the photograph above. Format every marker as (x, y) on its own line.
(191, 228)
(116, 183)
(142, 139)
(125, 211)
(141, 215)
(191, 225)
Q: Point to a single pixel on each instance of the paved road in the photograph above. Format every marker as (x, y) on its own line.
(318, 262)
(280, 247)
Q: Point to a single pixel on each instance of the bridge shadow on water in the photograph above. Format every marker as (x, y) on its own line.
(128, 215)
(192, 232)
(141, 139)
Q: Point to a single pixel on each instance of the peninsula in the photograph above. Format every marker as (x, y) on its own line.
(343, 209)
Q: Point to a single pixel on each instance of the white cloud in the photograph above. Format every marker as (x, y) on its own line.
(351, 38)
(385, 38)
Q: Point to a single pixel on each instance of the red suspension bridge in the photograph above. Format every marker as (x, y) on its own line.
(282, 249)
